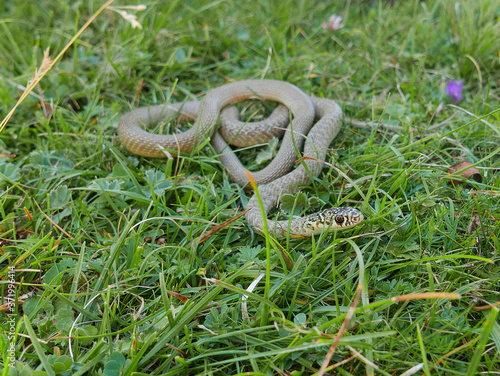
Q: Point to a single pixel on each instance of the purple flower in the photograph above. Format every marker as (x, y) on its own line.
(454, 90)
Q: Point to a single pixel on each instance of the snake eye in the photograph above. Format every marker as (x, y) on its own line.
(339, 219)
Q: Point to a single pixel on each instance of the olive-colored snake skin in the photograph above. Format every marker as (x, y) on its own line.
(277, 182)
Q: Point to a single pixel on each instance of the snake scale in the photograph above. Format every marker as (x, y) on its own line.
(275, 178)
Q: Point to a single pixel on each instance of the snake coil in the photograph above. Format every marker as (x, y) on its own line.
(275, 176)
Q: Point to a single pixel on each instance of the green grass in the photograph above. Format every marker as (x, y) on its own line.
(126, 243)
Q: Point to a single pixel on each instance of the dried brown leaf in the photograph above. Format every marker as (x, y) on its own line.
(474, 225)
(467, 173)
(181, 297)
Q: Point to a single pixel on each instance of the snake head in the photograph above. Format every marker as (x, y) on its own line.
(341, 218)
(333, 219)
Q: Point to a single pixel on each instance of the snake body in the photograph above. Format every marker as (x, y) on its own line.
(277, 182)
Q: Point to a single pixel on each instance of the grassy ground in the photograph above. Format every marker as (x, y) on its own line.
(110, 276)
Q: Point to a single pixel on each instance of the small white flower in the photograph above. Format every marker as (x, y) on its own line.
(132, 18)
(334, 23)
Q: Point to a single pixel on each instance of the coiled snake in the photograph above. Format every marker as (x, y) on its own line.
(275, 177)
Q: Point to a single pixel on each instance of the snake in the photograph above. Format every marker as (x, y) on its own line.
(275, 179)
